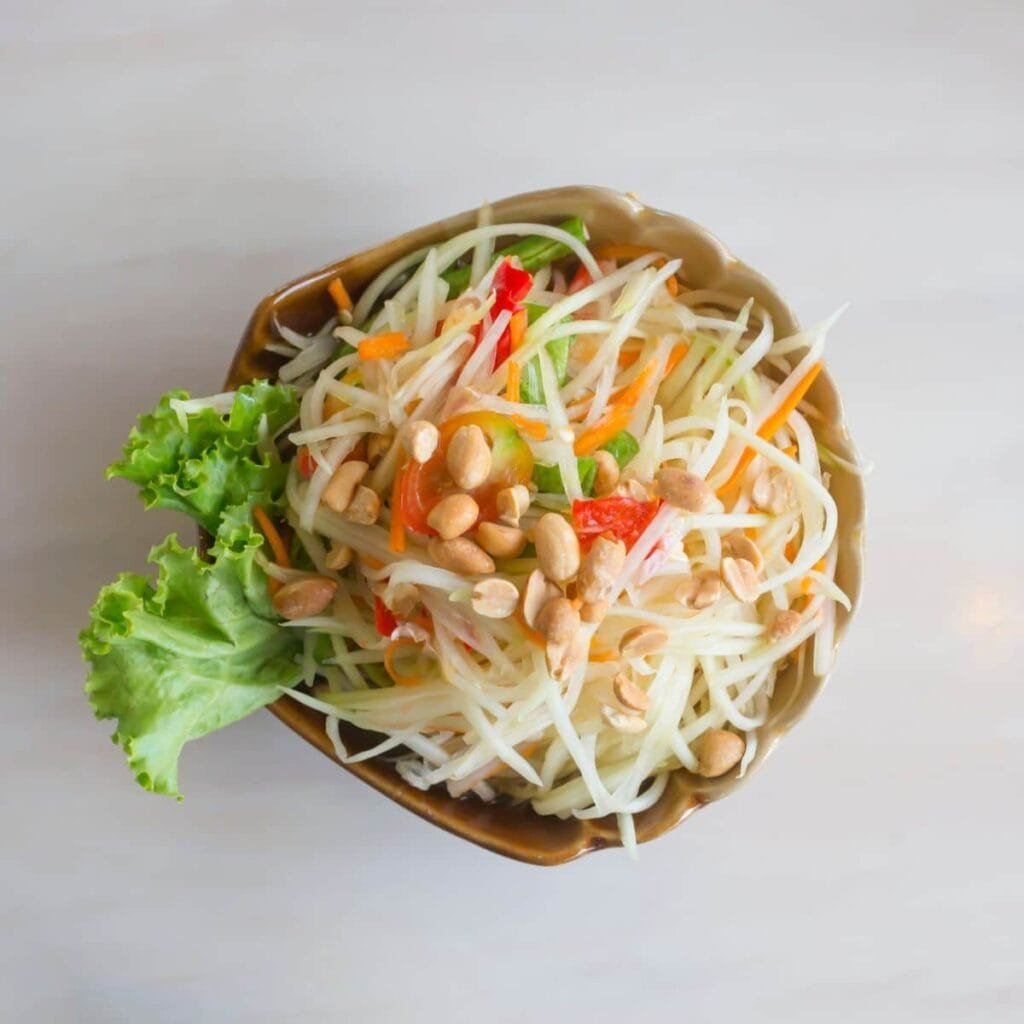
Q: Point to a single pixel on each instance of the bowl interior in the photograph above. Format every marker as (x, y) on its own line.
(305, 305)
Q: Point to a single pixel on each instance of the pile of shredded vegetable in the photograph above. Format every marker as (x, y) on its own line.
(557, 519)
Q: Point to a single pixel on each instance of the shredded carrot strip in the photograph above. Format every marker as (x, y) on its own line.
(274, 539)
(675, 357)
(516, 329)
(580, 280)
(396, 532)
(512, 384)
(792, 548)
(626, 359)
(631, 392)
(628, 356)
(340, 295)
(790, 450)
(384, 346)
(277, 545)
(597, 655)
(621, 409)
(771, 425)
(672, 285)
(616, 419)
(531, 428)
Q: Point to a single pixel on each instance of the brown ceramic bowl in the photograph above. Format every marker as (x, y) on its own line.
(610, 216)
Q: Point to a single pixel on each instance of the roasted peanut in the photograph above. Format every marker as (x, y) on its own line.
(468, 457)
(460, 555)
(420, 440)
(565, 658)
(718, 750)
(772, 491)
(558, 620)
(606, 476)
(595, 612)
(558, 548)
(304, 597)
(738, 545)
(633, 489)
(785, 623)
(642, 640)
(339, 557)
(454, 515)
(536, 594)
(501, 541)
(599, 569)
(511, 503)
(364, 506)
(621, 722)
(347, 477)
(739, 576)
(629, 695)
(683, 489)
(495, 599)
(700, 590)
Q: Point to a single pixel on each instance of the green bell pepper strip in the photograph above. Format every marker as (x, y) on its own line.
(534, 252)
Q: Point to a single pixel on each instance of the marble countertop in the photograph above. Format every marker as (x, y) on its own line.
(165, 165)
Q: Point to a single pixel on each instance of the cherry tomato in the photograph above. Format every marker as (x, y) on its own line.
(307, 467)
(580, 280)
(383, 618)
(425, 484)
(623, 518)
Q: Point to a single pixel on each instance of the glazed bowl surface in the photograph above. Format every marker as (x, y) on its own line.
(516, 831)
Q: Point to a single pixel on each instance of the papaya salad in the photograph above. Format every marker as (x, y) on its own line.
(540, 516)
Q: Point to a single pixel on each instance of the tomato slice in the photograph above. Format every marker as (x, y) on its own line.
(623, 518)
(425, 484)
(383, 618)
(307, 466)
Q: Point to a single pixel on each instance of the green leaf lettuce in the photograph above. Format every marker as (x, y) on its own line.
(213, 462)
(200, 646)
(196, 649)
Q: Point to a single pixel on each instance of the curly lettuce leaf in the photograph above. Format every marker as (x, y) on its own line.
(197, 650)
(210, 462)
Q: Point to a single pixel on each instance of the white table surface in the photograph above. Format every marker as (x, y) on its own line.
(164, 165)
